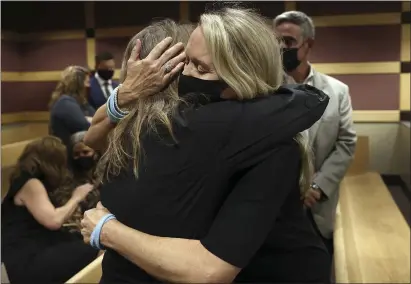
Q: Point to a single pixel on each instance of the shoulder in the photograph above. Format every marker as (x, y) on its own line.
(64, 100)
(333, 83)
(23, 179)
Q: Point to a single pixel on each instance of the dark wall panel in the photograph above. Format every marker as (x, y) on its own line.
(116, 14)
(116, 46)
(357, 44)
(36, 16)
(325, 8)
(268, 9)
(10, 56)
(53, 54)
(373, 91)
(25, 96)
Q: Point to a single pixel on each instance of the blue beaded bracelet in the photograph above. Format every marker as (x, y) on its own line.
(95, 235)
(114, 113)
(115, 99)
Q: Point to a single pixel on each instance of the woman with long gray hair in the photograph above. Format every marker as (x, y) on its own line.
(203, 183)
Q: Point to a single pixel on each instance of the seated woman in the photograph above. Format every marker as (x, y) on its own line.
(69, 109)
(34, 248)
(205, 182)
(83, 159)
(83, 165)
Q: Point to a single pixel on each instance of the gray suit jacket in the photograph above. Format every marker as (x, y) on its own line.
(333, 141)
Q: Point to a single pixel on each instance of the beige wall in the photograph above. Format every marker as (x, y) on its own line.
(389, 147)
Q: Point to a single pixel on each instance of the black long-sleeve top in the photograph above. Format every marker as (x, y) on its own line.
(232, 182)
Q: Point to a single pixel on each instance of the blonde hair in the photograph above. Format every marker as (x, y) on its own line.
(246, 54)
(71, 84)
(147, 113)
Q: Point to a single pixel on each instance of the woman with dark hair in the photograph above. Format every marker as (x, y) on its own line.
(34, 248)
(70, 111)
(83, 159)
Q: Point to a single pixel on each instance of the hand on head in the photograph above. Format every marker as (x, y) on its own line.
(148, 76)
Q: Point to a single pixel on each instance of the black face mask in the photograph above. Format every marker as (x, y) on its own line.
(84, 163)
(210, 88)
(290, 59)
(105, 74)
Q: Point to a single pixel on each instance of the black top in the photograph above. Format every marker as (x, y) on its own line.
(67, 117)
(22, 237)
(231, 181)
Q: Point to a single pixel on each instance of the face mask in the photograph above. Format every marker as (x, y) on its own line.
(290, 59)
(84, 163)
(211, 88)
(105, 74)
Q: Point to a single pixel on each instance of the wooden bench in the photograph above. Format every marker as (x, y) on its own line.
(371, 237)
(23, 131)
(90, 274)
(4, 276)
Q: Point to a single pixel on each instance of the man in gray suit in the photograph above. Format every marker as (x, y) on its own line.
(332, 138)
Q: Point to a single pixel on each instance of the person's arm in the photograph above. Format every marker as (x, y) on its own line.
(34, 197)
(239, 230)
(70, 112)
(336, 165)
(145, 77)
(168, 259)
(294, 109)
(101, 126)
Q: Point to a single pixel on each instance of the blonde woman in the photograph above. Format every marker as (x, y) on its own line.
(69, 109)
(209, 191)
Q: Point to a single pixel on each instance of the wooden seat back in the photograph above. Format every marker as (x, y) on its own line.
(90, 274)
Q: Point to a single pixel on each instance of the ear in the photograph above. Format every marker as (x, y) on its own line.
(310, 43)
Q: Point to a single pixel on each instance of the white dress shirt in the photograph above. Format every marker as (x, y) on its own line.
(102, 85)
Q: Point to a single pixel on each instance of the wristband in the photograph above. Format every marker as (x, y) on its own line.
(115, 98)
(114, 118)
(114, 113)
(95, 235)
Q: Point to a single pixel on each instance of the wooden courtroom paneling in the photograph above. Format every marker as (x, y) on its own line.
(373, 92)
(352, 53)
(114, 45)
(320, 8)
(36, 16)
(11, 152)
(347, 44)
(361, 161)
(23, 131)
(133, 13)
(53, 55)
(25, 96)
(10, 56)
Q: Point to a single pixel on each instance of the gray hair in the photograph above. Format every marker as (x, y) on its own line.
(297, 18)
(77, 138)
